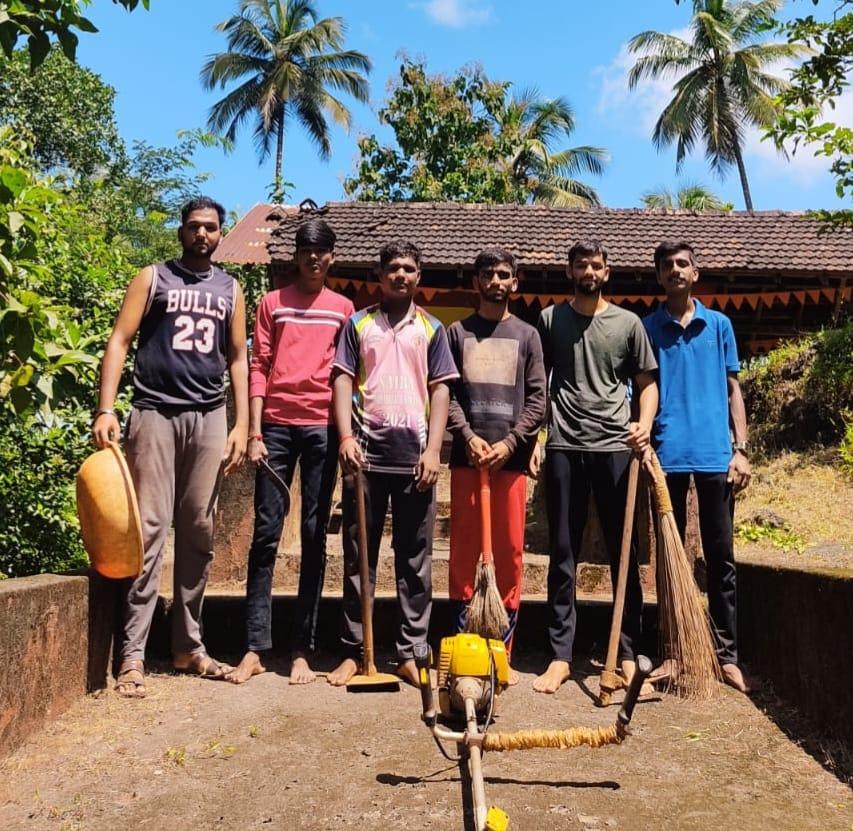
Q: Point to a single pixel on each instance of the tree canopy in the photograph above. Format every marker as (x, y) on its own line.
(468, 139)
(722, 85)
(43, 23)
(291, 64)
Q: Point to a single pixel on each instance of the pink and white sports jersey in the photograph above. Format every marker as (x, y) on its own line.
(393, 368)
(292, 353)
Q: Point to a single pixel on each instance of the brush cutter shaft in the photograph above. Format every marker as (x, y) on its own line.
(368, 664)
(486, 516)
(475, 767)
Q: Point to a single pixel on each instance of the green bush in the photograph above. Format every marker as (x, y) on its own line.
(845, 450)
(798, 395)
(38, 464)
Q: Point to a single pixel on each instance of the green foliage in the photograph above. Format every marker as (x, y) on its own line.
(254, 281)
(799, 394)
(845, 449)
(691, 196)
(38, 465)
(805, 107)
(782, 538)
(722, 80)
(67, 109)
(467, 139)
(42, 21)
(44, 353)
(291, 65)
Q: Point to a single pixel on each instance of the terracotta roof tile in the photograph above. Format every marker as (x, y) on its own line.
(246, 242)
(451, 234)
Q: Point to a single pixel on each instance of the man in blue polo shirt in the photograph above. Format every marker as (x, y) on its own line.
(701, 408)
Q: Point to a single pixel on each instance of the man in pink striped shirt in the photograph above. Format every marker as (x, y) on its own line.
(296, 333)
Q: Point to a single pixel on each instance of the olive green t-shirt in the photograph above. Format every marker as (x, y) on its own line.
(591, 360)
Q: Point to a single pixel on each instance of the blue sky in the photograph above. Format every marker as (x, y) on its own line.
(567, 47)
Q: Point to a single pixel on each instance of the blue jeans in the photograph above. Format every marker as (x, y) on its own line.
(315, 448)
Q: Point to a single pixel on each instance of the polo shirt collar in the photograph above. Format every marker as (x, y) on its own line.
(700, 315)
(406, 319)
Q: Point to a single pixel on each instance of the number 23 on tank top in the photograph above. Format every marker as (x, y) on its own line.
(193, 334)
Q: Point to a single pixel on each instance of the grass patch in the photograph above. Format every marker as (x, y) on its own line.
(782, 538)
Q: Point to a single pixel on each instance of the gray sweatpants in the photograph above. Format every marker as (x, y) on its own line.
(175, 461)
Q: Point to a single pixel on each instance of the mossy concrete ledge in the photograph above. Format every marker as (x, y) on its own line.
(52, 650)
(796, 631)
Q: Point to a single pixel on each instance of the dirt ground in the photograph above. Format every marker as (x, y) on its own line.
(267, 755)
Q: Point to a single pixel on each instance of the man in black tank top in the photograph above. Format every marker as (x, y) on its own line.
(191, 320)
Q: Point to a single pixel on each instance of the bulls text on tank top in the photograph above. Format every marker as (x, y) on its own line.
(183, 340)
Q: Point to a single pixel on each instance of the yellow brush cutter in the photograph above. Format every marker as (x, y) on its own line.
(472, 672)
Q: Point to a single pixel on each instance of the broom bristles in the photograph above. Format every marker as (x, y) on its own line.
(685, 629)
(486, 612)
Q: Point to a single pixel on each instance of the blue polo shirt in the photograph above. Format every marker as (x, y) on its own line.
(691, 431)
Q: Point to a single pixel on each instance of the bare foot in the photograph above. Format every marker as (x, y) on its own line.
(342, 673)
(300, 672)
(514, 677)
(734, 678)
(409, 672)
(628, 670)
(553, 678)
(248, 667)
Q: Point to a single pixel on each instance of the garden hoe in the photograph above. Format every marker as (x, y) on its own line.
(368, 680)
(472, 671)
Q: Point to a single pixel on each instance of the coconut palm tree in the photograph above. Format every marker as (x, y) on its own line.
(531, 127)
(287, 61)
(691, 196)
(722, 86)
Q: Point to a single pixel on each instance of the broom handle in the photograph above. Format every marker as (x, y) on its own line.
(486, 515)
(624, 556)
(368, 665)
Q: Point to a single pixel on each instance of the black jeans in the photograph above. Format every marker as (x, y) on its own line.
(570, 476)
(412, 525)
(716, 520)
(315, 448)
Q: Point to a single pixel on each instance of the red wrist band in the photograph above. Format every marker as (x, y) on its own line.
(257, 437)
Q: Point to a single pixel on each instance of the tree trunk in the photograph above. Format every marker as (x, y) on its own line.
(278, 195)
(744, 183)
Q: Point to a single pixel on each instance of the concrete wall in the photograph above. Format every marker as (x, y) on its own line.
(55, 643)
(796, 631)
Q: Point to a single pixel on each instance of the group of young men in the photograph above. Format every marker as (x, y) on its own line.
(372, 392)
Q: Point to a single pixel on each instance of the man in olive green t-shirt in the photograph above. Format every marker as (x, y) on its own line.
(592, 350)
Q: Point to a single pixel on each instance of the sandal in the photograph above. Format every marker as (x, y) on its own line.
(202, 665)
(130, 681)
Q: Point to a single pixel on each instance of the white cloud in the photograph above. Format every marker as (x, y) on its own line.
(636, 111)
(459, 13)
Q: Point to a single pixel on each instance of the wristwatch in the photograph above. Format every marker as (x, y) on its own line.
(740, 446)
(102, 411)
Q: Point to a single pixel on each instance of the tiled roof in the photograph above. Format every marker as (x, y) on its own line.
(451, 234)
(246, 242)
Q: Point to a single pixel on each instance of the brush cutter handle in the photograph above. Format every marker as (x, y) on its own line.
(423, 660)
(644, 668)
(486, 516)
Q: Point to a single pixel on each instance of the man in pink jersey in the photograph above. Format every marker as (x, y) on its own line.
(393, 367)
(296, 332)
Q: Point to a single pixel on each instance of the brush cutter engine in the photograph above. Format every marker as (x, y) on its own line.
(471, 667)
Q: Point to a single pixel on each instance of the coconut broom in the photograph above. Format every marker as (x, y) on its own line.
(486, 613)
(685, 630)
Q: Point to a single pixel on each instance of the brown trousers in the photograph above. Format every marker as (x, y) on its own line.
(176, 462)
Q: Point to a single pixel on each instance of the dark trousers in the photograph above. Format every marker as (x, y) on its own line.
(570, 476)
(412, 525)
(315, 449)
(716, 521)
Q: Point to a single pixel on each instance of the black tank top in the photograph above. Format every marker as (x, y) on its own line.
(183, 340)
